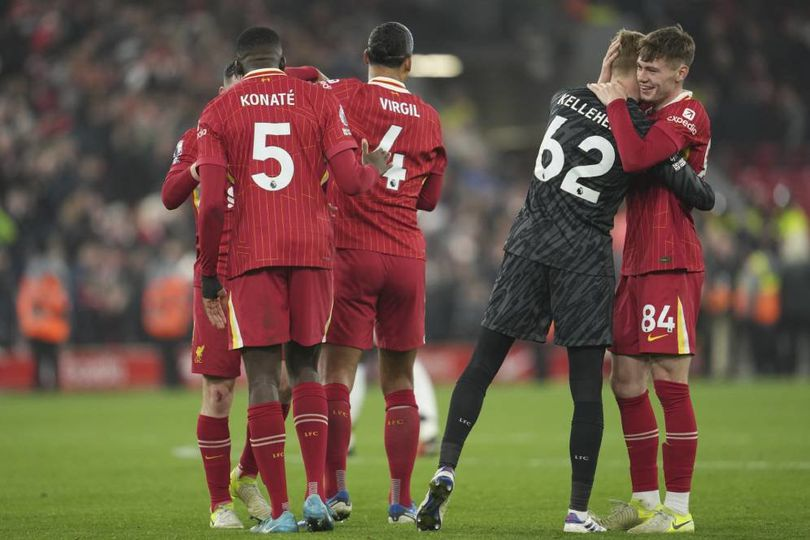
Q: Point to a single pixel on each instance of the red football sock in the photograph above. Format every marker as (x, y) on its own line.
(641, 436)
(311, 424)
(680, 446)
(340, 431)
(214, 440)
(401, 442)
(247, 463)
(267, 437)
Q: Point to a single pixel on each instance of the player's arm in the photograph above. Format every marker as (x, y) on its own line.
(432, 186)
(430, 192)
(305, 73)
(682, 180)
(354, 178)
(338, 146)
(181, 179)
(637, 153)
(211, 217)
(213, 183)
(178, 185)
(677, 175)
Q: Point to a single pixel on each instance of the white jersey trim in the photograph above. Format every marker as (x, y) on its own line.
(686, 94)
(389, 83)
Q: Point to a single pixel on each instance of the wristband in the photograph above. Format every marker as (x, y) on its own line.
(210, 287)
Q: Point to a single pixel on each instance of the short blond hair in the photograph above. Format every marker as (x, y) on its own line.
(629, 45)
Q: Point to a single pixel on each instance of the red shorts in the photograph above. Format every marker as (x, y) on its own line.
(275, 305)
(209, 346)
(657, 313)
(378, 294)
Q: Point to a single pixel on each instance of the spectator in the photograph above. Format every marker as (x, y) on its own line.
(43, 313)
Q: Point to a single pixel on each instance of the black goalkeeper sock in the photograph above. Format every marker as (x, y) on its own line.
(585, 380)
(468, 395)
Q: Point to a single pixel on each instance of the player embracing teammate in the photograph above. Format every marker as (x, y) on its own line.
(558, 267)
(275, 135)
(658, 298)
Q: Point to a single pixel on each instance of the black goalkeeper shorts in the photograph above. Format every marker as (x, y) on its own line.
(528, 296)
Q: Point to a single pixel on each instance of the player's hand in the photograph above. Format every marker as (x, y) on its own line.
(215, 309)
(607, 92)
(215, 301)
(379, 158)
(611, 54)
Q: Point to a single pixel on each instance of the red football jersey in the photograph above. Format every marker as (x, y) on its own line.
(185, 154)
(274, 132)
(385, 113)
(660, 231)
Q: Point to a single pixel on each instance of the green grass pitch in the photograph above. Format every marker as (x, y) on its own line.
(125, 465)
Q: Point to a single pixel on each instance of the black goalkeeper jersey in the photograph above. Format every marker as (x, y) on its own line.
(577, 187)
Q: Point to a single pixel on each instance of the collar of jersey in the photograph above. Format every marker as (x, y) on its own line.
(686, 94)
(389, 83)
(262, 72)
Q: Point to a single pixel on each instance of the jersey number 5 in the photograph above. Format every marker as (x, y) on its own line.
(396, 173)
(262, 152)
(555, 166)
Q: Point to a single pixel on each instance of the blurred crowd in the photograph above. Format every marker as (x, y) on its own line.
(94, 94)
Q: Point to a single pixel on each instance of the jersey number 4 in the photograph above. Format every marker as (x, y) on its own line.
(557, 162)
(396, 173)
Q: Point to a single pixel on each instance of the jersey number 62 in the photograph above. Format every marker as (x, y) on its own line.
(557, 163)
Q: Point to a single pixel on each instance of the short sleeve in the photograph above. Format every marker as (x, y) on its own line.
(336, 135)
(210, 146)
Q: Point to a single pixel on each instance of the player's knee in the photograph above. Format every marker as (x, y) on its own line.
(478, 374)
(339, 371)
(396, 370)
(671, 370)
(396, 382)
(302, 362)
(586, 390)
(588, 412)
(217, 396)
(625, 386)
(262, 391)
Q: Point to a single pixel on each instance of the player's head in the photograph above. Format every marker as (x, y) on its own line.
(663, 63)
(259, 47)
(390, 47)
(624, 66)
(231, 75)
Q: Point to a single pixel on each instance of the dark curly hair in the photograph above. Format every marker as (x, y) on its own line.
(390, 44)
